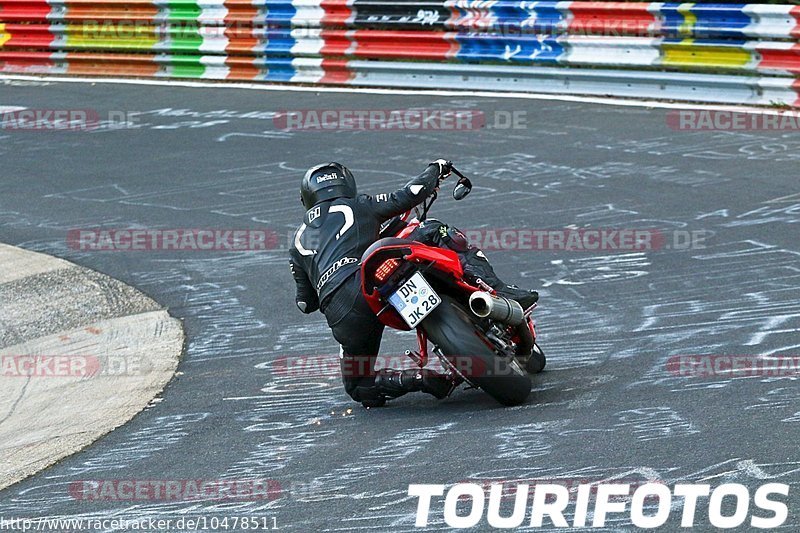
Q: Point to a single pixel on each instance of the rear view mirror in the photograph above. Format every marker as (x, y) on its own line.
(462, 188)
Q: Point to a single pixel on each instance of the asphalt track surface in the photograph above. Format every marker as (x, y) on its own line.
(609, 406)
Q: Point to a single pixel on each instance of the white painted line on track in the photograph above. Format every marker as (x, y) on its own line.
(400, 92)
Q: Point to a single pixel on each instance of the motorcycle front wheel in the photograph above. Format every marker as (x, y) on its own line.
(537, 360)
(450, 329)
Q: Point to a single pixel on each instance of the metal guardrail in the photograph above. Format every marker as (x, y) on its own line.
(697, 51)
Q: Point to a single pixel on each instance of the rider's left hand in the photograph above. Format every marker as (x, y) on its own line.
(444, 167)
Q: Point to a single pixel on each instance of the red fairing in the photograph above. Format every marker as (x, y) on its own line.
(443, 260)
(389, 316)
(405, 232)
(446, 260)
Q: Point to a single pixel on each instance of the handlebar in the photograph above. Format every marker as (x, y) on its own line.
(460, 191)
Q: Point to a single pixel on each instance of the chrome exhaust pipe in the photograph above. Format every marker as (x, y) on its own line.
(485, 305)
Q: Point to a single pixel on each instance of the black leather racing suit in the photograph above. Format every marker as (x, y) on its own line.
(324, 262)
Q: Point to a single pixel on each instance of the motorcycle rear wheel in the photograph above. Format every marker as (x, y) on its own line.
(450, 329)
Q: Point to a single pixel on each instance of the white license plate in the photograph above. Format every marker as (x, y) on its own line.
(415, 300)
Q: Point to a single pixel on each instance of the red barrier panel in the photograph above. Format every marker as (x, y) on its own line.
(378, 44)
(336, 71)
(27, 62)
(28, 36)
(336, 12)
(24, 11)
(780, 59)
(337, 42)
(611, 19)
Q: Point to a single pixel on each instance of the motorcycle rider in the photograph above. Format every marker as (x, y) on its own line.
(339, 225)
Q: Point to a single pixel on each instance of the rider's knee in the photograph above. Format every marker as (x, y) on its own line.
(456, 240)
(435, 232)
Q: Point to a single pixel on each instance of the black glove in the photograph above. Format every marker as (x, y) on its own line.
(444, 167)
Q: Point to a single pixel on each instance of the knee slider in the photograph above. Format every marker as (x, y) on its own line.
(456, 240)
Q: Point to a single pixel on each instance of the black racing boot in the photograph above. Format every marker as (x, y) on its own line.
(525, 297)
(395, 383)
(477, 268)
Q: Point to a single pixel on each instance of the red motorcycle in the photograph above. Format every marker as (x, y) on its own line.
(480, 338)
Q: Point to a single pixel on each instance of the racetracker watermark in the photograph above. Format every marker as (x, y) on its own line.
(71, 366)
(143, 490)
(709, 120)
(217, 25)
(398, 119)
(646, 506)
(621, 240)
(67, 120)
(332, 366)
(734, 366)
(586, 240)
(176, 239)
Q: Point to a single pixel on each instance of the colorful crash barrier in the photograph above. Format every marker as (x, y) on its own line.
(368, 41)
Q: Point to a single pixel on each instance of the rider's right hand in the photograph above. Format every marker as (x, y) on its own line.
(444, 167)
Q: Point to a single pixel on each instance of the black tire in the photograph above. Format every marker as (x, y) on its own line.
(450, 329)
(537, 360)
